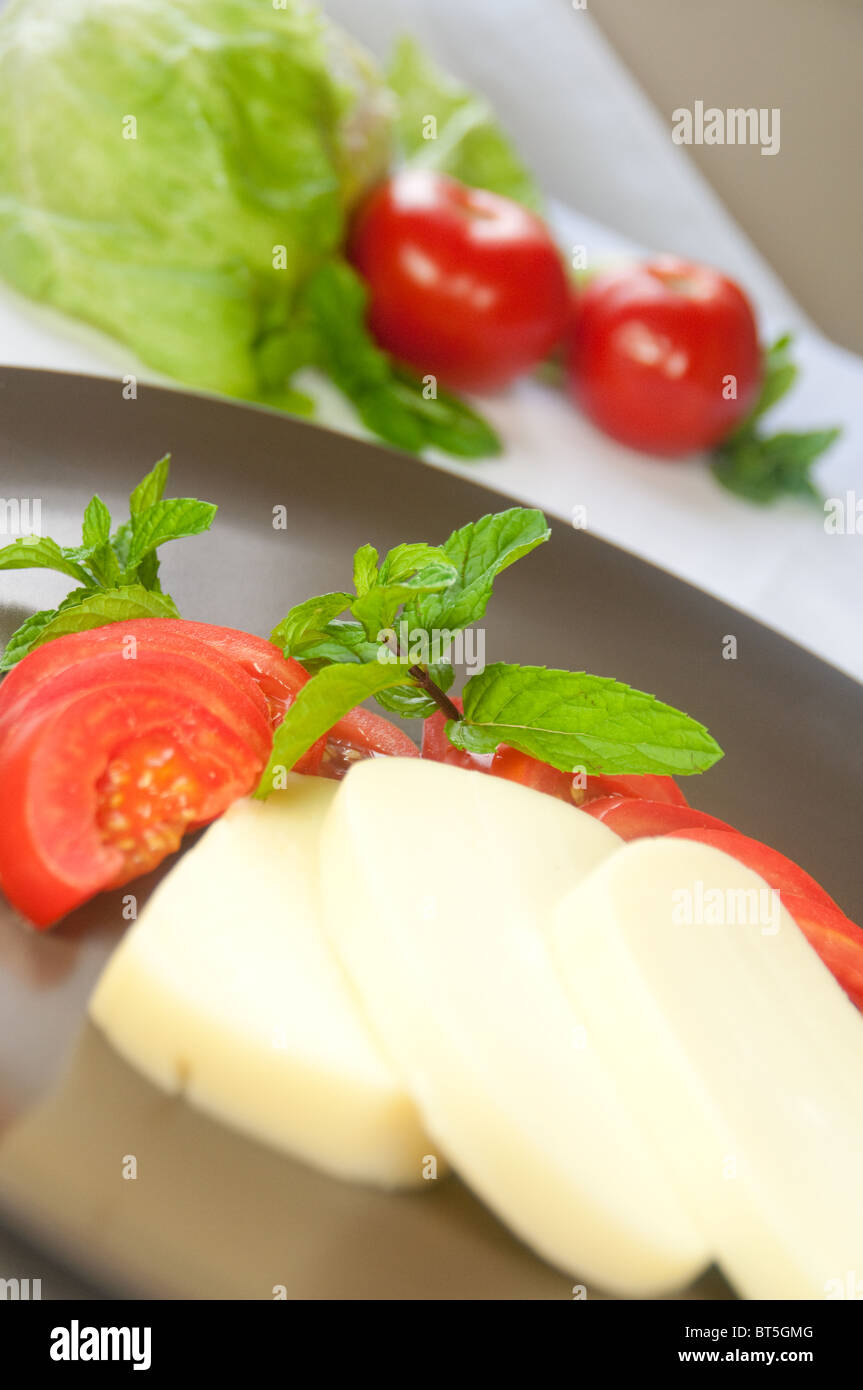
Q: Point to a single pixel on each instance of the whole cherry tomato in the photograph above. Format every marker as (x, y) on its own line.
(664, 356)
(463, 284)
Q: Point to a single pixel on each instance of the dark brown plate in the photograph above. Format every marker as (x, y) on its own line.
(210, 1214)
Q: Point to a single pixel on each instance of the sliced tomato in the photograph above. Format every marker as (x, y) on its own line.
(531, 772)
(278, 678)
(437, 747)
(775, 868)
(362, 734)
(632, 818)
(838, 940)
(98, 787)
(209, 678)
(646, 786)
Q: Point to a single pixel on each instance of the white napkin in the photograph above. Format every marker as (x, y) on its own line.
(597, 145)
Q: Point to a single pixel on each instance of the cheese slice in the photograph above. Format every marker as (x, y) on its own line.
(443, 881)
(227, 991)
(741, 1056)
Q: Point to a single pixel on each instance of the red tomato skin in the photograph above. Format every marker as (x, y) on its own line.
(837, 940)
(279, 679)
(79, 665)
(651, 352)
(52, 856)
(646, 786)
(372, 734)
(634, 819)
(437, 747)
(463, 284)
(776, 869)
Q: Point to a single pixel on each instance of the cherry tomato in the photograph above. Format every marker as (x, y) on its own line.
(664, 355)
(463, 284)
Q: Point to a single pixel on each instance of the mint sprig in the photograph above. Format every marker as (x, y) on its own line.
(573, 720)
(568, 719)
(431, 590)
(763, 467)
(117, 573)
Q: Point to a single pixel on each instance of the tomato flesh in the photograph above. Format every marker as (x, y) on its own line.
(58, 845)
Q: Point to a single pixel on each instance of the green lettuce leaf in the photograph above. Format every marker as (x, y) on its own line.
(467, 141)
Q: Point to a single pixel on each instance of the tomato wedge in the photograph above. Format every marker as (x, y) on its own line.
(98, 785)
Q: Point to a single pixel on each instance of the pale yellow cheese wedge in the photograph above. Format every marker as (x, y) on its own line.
(445, 881)
(227, 991)
(741, 1056)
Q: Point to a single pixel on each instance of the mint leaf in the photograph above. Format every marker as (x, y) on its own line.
(308, 620)
(409, 701)
(24, 638)
(405, 560)
(84, 609)
(339, 642)
(40, 552)
(365, 569)
(332, 312)
(480, 552)
(376, 610)
(321, 704)
(151, 489)
(96, 530)
(763, 468)
(574, 720)
(167, 521)
(468, 143)
(780, 374)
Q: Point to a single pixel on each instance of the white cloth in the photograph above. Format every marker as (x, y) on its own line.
(598, 146)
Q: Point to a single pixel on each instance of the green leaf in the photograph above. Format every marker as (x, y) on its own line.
(780, 374)
(467, 143)
(84, 609)
(410, 701)
(339, 641)
(24, 638)
(480, 552)
(321, 704)
(40, 552)
(167, 521)
(377, 609)
(764, 469)
(151, 489)
(96, 530)
(574, 720)
(389, 401)
(365, 569)
(405, 560)
(308, 620)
